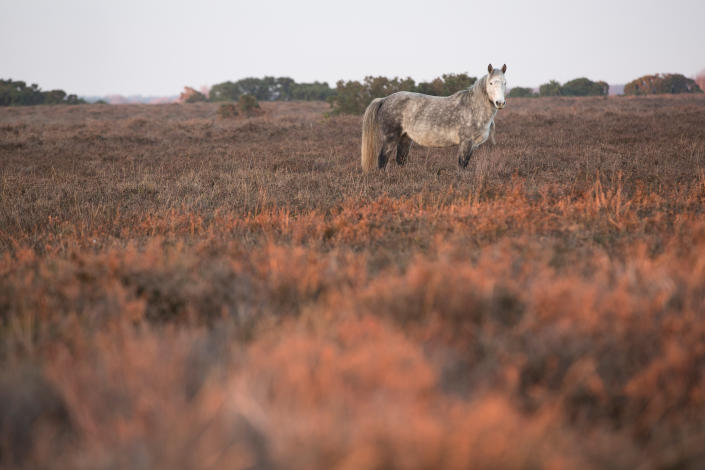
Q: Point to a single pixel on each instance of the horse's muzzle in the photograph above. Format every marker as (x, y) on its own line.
(500, 104)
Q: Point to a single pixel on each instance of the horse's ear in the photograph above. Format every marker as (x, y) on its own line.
(504, 68)
(489, 68)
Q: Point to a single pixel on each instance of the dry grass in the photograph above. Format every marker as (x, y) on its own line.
(183, 291)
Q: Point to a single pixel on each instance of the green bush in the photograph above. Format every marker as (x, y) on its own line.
(248, 105)
(227, 111)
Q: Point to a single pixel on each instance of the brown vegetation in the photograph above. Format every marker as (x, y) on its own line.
(182, 291)
(700, 80)
(191, 95)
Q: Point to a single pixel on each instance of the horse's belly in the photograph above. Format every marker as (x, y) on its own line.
(428, 136)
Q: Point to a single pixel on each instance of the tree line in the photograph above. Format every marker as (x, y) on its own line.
(578, 87)
(17, 93)
(353, 96)
(269, 89)
(347, 97)
(646, 85)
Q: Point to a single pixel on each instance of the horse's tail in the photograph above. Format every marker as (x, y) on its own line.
(371, 135)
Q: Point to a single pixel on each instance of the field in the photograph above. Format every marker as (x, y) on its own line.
(179, 290)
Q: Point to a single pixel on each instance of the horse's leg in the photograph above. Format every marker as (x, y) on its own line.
(492, 141)
(465, 152)
(403, 149)
(385, 152)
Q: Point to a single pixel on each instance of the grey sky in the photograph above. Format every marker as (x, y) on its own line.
(158, 46)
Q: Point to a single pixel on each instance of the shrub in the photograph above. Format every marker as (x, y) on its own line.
(227, 111)
(248, 105)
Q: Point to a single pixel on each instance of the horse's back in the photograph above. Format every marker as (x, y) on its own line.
(431, 121)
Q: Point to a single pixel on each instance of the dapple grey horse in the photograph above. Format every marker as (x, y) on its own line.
(465, 118)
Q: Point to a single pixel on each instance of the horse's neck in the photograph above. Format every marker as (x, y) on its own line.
(483, 111)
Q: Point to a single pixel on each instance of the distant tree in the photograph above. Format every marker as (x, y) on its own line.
(73, 99)
(405, 84)
(453, 82)
(661, 83)
(226, 91)
(311, 91)
(605, 87)
(270, 89)
(54, 97)
(446, 85)
(435, 87)
(17, 93)
(350, 97)
(552, 88)
(519, 92)
(584, 87)
(282, 89)
(379, 87)
(257, 87)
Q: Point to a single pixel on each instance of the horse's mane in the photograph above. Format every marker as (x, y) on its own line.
(467, 94)
(479, 86)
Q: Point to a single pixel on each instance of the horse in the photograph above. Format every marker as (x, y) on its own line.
(465, 119)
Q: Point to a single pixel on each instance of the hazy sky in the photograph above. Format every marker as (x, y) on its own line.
(95, 47)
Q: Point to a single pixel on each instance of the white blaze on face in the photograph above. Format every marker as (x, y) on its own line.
(496, 87)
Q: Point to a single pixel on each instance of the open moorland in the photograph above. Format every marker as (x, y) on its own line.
(179, 290)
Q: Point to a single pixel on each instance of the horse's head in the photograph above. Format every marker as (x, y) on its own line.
(496, 85)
